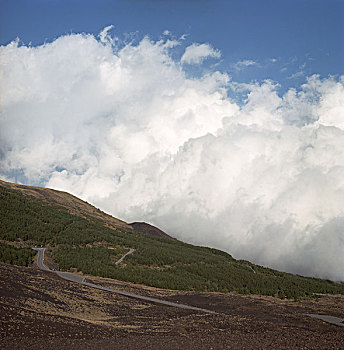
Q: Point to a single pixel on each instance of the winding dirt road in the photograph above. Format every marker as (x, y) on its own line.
(80, 279)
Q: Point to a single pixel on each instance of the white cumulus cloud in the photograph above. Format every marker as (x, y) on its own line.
(197, 53)
(125, 129)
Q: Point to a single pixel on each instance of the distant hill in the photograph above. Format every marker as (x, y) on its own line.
(81, 237)
(143, 227)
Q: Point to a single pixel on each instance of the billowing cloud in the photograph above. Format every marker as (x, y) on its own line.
(197, 53)
(105, 37)
(127, 130)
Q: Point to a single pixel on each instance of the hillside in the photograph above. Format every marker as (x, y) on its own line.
(73, 204)
(81, 237)
(42, 311)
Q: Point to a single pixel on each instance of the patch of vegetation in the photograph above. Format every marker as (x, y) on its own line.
(157, 261)
(16, 256)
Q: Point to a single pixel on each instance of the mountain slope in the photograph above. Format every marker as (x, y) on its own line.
(73, 204)
(91, 244)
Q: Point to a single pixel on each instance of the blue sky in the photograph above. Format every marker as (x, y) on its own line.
(287, 40)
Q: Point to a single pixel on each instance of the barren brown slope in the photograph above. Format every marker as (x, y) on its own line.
(39, 310)
(73, 204)
(143, 227)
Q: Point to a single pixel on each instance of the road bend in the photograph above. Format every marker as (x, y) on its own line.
(121, 259)
(80, 279)
(40, 258)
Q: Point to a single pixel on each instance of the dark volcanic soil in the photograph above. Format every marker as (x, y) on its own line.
(38, 310)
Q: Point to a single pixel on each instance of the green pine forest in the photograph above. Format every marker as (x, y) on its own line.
(87, 245)
(16, 256)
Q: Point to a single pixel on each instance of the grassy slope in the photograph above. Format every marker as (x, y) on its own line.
(91, 244)
(73, 204)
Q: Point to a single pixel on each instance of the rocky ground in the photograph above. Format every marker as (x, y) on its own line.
(39, 310)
